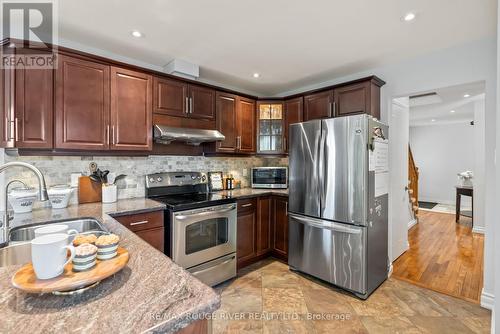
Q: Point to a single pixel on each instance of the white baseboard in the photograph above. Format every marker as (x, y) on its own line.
(478, 229)
(390, 270)
(412, 223)
(487, 300)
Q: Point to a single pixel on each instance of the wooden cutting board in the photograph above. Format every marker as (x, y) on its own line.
(26, 280)
(88, 190)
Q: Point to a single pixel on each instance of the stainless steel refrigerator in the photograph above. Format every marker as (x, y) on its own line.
(338, 202)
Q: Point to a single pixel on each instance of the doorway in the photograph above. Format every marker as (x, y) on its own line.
(446, 162)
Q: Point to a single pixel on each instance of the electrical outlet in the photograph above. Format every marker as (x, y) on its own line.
(245, 172)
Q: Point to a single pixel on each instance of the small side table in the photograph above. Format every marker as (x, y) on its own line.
(465, 191)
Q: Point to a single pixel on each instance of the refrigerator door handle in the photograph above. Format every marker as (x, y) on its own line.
(321, 172)
(335, 227)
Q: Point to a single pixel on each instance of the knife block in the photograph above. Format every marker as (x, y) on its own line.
(88, 190)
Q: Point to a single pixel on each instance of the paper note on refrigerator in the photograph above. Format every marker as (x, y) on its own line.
(380, 164)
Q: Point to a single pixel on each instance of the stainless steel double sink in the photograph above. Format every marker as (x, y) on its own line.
(19, 249)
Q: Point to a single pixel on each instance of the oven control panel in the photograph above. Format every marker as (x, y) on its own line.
(175, 179)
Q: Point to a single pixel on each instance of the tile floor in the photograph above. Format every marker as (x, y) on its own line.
(268, 298)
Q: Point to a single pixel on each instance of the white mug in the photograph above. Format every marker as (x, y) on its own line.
(49, 255)
(53, 229)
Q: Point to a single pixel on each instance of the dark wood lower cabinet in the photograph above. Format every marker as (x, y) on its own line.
(246, 232)
(262, 229)
(280, 227)
(148, 226)
(154, 237)
(264, 225)
(198, 327)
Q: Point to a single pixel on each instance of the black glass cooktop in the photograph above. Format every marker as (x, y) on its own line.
(192, 201)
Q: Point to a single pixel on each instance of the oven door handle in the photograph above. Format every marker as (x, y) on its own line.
(205, 213)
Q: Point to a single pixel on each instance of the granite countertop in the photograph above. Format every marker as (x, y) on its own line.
(150, 294)
(250, 192)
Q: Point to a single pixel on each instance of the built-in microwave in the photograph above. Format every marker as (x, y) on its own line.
(270, 177)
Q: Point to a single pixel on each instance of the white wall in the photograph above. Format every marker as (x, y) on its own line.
(496, 182)
(440, 152)
(399, 206)
(471, 62)
(479, 167)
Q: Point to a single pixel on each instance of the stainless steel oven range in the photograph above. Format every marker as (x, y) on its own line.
(200, 227)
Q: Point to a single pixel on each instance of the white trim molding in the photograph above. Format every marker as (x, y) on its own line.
(478, 229)
(412, 223)
(487, 300)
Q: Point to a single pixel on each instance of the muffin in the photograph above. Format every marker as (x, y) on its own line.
(81, 239)
(107, 246)
(85, 257)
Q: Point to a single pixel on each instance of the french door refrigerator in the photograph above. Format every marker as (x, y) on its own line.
(338, 202)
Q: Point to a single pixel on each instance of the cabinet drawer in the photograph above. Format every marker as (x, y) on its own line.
(142, 221)
(249, 204)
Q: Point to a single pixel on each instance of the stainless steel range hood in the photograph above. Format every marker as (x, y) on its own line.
(167, 134)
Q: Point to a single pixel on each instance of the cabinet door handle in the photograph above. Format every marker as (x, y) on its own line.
(284, 144)
(113, 134)
(330, 109)
(186, 107)
(286, 208)
(8, 128)
(334, 109)
(190, 105)
(107, 134)
(142, 222)
(246, 205)
(16, 129)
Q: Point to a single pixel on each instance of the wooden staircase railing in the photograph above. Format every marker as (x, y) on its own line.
(413, 181)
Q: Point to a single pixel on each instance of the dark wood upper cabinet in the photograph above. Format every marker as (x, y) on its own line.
(264, 205)
(318, 105)
(131, 110)
(170, 97)
(280, 228)
(6, 119)
(34, 108)
(27, 106)
(358, 98)
(82, 104)
(226, 105)
(246, 125)
(271, 124)
(294, 113)
(179, 99)
(201, 102)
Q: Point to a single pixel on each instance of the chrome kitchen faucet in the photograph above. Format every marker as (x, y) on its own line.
(42, 189)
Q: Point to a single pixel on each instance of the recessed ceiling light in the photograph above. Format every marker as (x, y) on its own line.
(452, 111)
(466, 95)
(256, 75)
(136, 33)
(433, 120)
(409, 17)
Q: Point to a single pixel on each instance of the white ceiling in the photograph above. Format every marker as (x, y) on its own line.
(452, 98)
(290, 43)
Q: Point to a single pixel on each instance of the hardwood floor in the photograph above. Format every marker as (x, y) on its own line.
(443, 256)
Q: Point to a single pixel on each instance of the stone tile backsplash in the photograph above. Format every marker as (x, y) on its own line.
(57, 170)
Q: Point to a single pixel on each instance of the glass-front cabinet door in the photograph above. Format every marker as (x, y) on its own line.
(271, 127)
